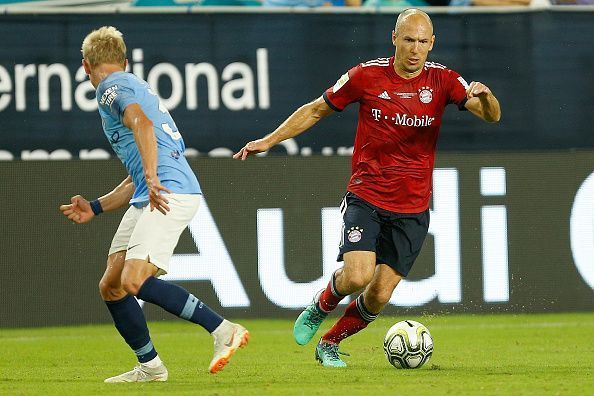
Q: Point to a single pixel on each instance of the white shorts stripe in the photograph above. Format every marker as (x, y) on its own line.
(343, 207)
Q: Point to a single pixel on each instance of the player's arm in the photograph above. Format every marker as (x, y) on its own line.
(79, 210)
(144, 134)
(482, 103)
(301, 120)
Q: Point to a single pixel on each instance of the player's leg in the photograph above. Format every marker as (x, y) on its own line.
(358, 271)
(127, 315)
(379, 291)
(358, 315)
(355, 274)
(151, 247)
(399, 244)
(365, 308)
(357, 249)
(138, 279)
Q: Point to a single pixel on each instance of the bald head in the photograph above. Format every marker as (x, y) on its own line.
(413, 38)
(415, 16)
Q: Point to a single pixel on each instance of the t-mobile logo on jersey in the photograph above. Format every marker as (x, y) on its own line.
(404, 119)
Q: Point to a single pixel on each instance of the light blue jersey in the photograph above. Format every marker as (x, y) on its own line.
(114, 94)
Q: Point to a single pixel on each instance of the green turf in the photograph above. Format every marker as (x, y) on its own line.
(549, 354)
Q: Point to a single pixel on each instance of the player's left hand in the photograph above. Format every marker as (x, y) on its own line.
(78, 210)
(477, 89)
(156, 199)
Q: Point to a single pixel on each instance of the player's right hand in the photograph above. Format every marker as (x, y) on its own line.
(253, 147)
(79, 210)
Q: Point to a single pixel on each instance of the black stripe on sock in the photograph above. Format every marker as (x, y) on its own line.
(366, 315)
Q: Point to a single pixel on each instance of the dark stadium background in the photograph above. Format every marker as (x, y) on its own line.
(539, 64)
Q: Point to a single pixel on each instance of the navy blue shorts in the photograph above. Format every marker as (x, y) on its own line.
(396, 238)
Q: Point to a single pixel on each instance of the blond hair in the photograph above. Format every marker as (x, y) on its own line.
(104, 45)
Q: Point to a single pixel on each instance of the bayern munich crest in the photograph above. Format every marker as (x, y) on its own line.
(426, 94)
(355, 234)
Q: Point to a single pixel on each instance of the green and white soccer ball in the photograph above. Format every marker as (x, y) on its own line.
(408, 344)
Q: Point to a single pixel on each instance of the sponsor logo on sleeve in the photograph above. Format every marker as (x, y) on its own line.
(463, 82)
(109, 96)
(341, 81)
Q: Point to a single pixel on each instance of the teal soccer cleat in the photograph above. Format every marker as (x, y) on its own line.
(327, 354)
(308, 323)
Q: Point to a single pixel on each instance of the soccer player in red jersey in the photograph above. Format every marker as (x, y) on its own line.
(386, 208)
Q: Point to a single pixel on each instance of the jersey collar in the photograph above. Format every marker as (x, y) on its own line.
(397, 77)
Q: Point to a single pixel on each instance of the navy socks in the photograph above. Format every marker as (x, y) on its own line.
(178, 301)
(130, 322)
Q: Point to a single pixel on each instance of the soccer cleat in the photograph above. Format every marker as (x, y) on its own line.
(327, 354)
(141, 373)
(308, 323)
(227, 340)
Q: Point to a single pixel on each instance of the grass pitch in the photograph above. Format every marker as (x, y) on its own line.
(550, 354)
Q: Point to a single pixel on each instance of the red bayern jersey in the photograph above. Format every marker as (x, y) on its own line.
(399, 121)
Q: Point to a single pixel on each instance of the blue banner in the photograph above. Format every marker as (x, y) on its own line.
(230, 77)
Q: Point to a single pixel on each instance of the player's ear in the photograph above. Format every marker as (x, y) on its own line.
(432, 42)
(86, 66)
(126, 64)
(394, 38)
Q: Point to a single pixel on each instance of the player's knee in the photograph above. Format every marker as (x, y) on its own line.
(358, 280)
(357, 272)
(109, 292)
(104, 289)
(131, 285)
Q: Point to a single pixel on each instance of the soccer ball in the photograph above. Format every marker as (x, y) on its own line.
(408, 344)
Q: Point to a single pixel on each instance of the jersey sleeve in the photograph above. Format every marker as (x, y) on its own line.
(348, 89)
(457, 89)
(116, 97)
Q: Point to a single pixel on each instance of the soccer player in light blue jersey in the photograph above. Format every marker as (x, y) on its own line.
(163, 194)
